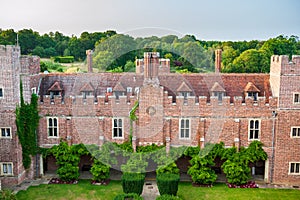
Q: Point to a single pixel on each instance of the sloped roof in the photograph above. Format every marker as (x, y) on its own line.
(119, 87)
(250, 87)
(55, 87)
(88, 87)
(217, 88)
(199, 84)
(184, 88)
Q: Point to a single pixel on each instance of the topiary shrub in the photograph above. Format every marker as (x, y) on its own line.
(7, 195)
(131, 196)
(99, 171)
(167, 183)
(133, 182)
(168, 197)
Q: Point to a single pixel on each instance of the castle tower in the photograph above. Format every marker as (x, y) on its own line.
(89, 60)
(218, 60)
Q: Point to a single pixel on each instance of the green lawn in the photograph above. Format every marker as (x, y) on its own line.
(84, 190)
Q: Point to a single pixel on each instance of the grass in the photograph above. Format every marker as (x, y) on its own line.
(84, 190)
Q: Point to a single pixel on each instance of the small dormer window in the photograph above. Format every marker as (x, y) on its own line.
(185, 94)
(86, 93)
(252, 95)
(129, 89)
(219, 95)
(54, 94)
(109, 90)
(118, 94)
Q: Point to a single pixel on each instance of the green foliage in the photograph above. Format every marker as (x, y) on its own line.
(67, 158)
(236, 167)
(133, 182)
(168, 169)
(135, 164)
(132, 196)
(64, 59)
(50, 66)
(27, 120)
(192, 151)
(168, 197)
(167, 183)
(7, 195)
(148, 148)
(200, 170)
(236, 170)
(99, 171)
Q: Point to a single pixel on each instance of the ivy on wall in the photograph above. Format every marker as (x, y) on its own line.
(27, 121)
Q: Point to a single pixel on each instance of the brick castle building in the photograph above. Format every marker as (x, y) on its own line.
(174, 110)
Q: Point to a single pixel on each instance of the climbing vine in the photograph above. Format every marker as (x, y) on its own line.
(27, 120)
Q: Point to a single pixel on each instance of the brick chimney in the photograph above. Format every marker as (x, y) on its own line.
(89, 60)
(151, 65)
(218, 60)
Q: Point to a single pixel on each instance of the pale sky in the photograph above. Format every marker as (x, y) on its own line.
(207, 20)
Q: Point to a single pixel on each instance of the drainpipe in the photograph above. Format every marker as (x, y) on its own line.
(274, 114)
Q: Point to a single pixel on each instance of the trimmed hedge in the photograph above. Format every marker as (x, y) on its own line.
(64, 59)
(133, 183)
(168, 183)
(132, 196)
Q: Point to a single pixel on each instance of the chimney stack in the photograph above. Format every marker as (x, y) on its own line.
(151, 65)
(89, 60)
(218, 60)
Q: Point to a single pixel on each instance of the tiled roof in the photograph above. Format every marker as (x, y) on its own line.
(184, 88)
(55, 87)
(250, 87)
(88, 87)
(217, 88)
(199, 84)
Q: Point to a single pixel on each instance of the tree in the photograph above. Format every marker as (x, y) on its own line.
(103, 60)
(28, 40)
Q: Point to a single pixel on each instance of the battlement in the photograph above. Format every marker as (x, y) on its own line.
(281, 65)
(9, 50)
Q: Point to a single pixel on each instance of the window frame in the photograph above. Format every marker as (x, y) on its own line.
(118, 127)
(5, 137)
(2, 168)
(297, 130)
(290, 167)
(52, 127)
(254, 129)
(185, 128)
(294, 98)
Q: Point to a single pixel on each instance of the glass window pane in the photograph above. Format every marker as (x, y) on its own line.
(8, 132)
(120, 122)
(3, 132)
(186, 133)
(4, 168)
(251, 134)
(9, 169)
(50, 121)
(115, 123)
(50, 132)
(55, 132)
(182, 133)
(297, 168)
(182, 123)
(55, 122)
(251, 124)
(256, 134)
(256, 124)
(294, 132)
(298, 132)
(187, 123)
(120, 132)
(115, 132)
(292, 170)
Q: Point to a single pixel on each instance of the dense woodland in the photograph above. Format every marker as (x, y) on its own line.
(117, 52)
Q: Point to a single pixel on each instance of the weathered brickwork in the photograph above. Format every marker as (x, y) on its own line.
(85, 106)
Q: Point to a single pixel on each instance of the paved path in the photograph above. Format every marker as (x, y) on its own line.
(150, 190)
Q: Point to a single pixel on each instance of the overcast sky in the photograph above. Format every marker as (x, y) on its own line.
(207, 20)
